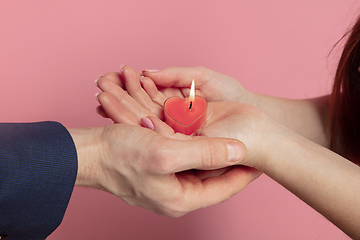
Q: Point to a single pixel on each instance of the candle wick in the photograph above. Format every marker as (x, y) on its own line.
(190, 105)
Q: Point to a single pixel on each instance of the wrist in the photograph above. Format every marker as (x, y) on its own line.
(87, 147)
(250, 98)
(283, 149)
(274, 139)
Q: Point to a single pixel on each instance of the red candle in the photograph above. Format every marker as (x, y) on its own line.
(186, 115)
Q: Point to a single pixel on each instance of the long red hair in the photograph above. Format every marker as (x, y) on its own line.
(344, 110)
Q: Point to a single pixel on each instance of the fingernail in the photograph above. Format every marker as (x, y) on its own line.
(235, 151)
(96, 81)
(142, 79)
(96, 96)
(151, 70)
(121, 68)
(147, 123)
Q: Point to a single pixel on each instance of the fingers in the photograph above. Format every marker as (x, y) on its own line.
(121, 98)
(151, 89)
(157, 125)
(114, 110)
(177, 76)
(109, 86)
(176, 81)
(162, 128)
(214, 190)
(133, 86)
(204, 174)
(220, 189)
(201, 153)
(101, 111)
(115, 77)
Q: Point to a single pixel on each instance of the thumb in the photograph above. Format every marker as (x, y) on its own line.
(198, 152)
(204, 153)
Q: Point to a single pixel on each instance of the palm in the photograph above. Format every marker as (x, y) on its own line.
(212, 86)
(136, 103)
(237, 121)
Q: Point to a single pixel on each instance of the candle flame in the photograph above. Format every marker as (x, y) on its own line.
(192, 94)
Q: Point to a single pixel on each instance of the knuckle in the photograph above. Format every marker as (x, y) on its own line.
(170, 213)
(169, 203)
(170, 210)
(175, 209)
(204, 73)
(175, 214)
(210, 155)
(202, 70)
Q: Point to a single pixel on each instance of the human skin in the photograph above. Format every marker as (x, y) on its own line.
(277, 144)
(306, 117)
(150, 170)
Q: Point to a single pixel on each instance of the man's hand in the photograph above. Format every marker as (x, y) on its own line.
(122, 107)
(150, 170)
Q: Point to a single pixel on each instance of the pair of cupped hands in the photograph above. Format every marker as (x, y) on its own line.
(171, 173)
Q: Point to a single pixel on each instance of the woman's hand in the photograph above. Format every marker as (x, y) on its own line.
(211, 85)
(324, 180)
(225, 119)
(306, 117)
(154, 87)
(123, 108)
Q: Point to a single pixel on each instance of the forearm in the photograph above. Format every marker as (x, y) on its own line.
(324, 180)
(306, 117)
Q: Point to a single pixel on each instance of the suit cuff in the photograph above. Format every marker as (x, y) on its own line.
(38, 164)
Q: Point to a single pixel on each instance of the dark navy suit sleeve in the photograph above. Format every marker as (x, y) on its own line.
(38, 168)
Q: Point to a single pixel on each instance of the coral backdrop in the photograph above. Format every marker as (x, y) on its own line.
(52, 51)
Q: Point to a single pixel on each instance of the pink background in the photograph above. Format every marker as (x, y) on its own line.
(52, 51)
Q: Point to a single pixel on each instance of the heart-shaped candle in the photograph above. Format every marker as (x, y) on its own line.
(186, 115)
